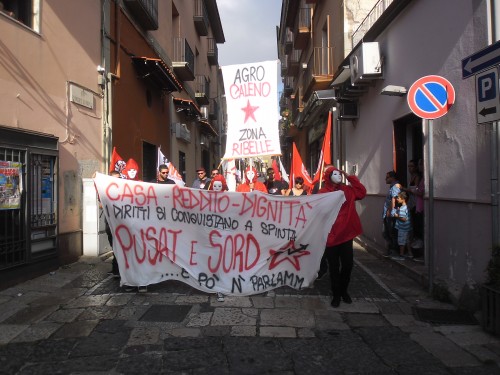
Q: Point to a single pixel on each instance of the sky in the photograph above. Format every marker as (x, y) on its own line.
(249, 29)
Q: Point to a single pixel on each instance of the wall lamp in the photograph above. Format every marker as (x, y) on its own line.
(392, 90)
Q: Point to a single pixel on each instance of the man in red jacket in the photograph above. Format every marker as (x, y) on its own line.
(339, 251)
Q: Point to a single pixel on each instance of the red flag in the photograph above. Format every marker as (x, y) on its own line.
(326, 152)
(298, 169)
(117, 163)
(277, 174)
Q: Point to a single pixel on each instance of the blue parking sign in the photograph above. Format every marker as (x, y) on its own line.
(487, 96)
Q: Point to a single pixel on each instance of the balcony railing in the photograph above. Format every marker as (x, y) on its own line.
(319, 72)
(213, 110)
(201, 18)
(213, 52)
(202, 89)
(183, 59)
(293, 62)
(288, 40)
(369, 21)
(297, 104)
(303, 32)
(145, 12)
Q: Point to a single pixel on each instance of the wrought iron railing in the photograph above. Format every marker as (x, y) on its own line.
(369, 20)
(183, 52)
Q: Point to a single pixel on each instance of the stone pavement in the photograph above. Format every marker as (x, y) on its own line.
(78, 320)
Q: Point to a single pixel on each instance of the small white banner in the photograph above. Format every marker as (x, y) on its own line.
(252, 110)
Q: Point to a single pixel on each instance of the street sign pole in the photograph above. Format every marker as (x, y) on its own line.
(430, 211)
(430, 97)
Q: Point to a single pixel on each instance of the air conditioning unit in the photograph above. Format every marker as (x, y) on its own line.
(181, 132)
(365, 63)
(348, 110)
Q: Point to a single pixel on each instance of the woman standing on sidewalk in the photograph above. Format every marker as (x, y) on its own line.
(339, 251)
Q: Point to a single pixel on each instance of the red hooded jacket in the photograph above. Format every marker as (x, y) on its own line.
(257, 185)
(220, 178)
(347, 226)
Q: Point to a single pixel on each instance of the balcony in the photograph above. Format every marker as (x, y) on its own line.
(320, 70)
(284, 67)
(293, 62)
(284, 102)
(145, 12)
(303, 33)
(288, 41)
(183, 59)
(297, 106)
(200, 18)
(369, 21)
(288, 87)
(213, 52)
(213, 111)
(202, 90)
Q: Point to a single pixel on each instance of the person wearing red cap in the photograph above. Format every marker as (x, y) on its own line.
(339, 251)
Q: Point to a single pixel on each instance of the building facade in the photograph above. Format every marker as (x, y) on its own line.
(313, 39)
(375, 131)
(76, 80)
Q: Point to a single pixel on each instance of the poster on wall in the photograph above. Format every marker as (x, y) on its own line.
(10, 185)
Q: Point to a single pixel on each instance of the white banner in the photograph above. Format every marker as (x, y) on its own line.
(252, 110)
(234, 243)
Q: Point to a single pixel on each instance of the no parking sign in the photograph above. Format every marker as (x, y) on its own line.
(431, 97)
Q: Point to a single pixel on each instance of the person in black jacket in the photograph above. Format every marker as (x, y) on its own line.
(162, 177)
(273, 186)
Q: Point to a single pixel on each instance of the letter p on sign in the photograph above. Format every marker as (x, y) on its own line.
(487, 87)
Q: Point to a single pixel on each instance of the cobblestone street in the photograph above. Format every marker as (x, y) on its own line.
(78, 320)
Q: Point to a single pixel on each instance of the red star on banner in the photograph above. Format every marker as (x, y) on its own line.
(249, 111)
(288, 249)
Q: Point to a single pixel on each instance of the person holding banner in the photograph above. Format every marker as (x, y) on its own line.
(251, 183)
(298, 189)
(115, 270)
(202, 181)
(218, 184)
(339, 250)
(162, 177)
(274, 186)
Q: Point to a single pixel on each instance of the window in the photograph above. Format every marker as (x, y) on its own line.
(24, 11)
(149, 160)
(182, 165)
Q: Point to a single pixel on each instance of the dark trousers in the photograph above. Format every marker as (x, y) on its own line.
(340, 262)
(114, 264)
(418, 225)
(391, 234)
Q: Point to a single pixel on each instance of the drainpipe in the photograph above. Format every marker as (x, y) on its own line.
(118, 23)
(171, 134)
(492, 8)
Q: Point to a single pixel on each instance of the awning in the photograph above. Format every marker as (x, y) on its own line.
(190, 108)
(156, 72)
(342, 75)
(209, 128)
